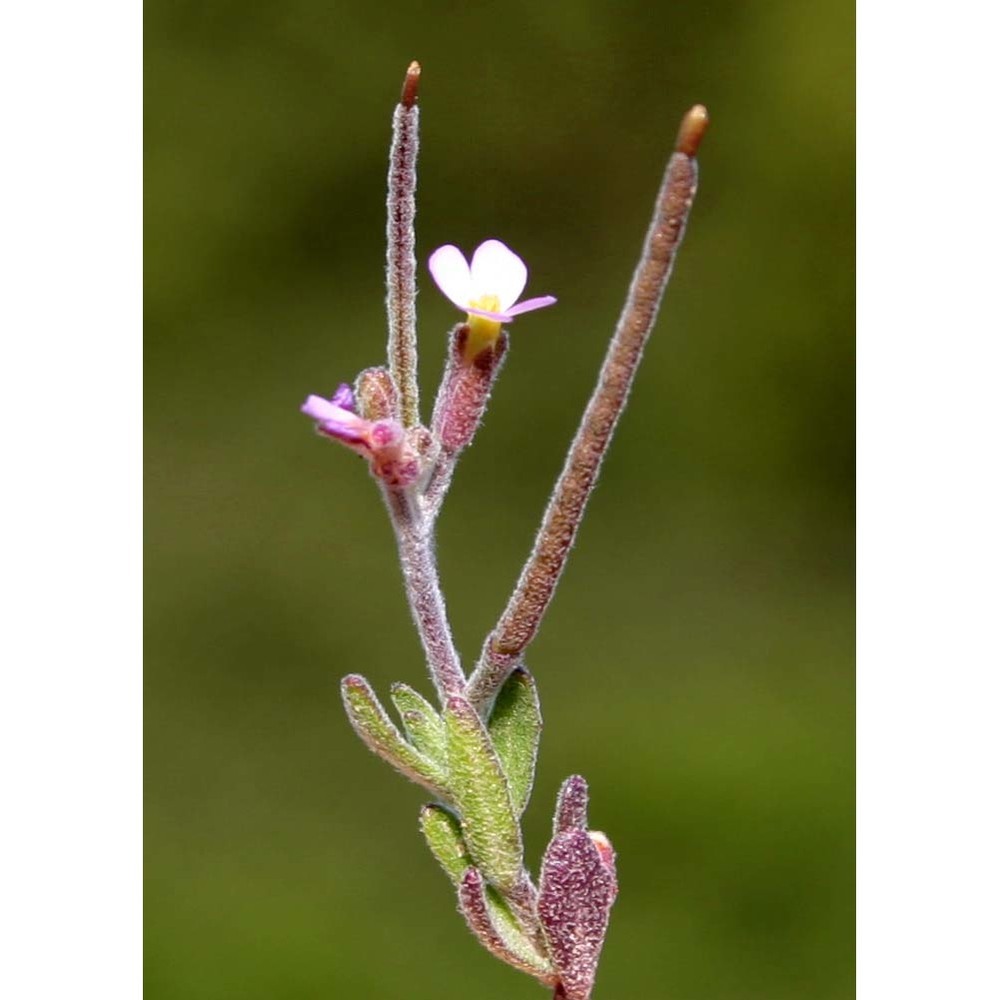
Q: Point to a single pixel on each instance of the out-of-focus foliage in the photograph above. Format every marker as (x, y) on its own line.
(697, 663)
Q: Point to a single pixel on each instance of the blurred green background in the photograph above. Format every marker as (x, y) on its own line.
(697, 665)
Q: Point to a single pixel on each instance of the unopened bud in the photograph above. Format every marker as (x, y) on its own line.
(575, 893)
(377, 395)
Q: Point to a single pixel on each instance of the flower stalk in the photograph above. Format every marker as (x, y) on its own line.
(476, 751)
(423, 592)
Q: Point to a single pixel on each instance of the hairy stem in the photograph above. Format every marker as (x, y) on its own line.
(527, 605)
(438, 485)
(401, 264)
(423, 593)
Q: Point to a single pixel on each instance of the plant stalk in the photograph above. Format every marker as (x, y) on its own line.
(423, 592)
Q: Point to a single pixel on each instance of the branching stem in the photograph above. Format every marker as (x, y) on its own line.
(438, 485)
(527, 605)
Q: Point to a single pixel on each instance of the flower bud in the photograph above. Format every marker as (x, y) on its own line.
(576, 890)
(378, 396)
(575, 895)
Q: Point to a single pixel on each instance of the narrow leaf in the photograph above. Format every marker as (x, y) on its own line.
(492, 922)
(576, 891)
(479, 789)
(443, 834)
(515, 727)
(423, 725)
(381, 736)
(444, 837)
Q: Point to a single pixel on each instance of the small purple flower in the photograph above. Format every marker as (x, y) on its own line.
(344, 397)
(490, 286)
(335, 417)
(383, 442)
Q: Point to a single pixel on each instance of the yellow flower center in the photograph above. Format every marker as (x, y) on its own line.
(483, 332)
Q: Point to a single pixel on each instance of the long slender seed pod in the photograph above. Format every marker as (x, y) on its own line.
(401, 262)
(522, 617)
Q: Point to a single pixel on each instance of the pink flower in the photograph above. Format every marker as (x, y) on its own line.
(490, 287)
(336, 418)
(382, 442)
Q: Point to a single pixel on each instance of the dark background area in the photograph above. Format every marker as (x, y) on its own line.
(697, 665)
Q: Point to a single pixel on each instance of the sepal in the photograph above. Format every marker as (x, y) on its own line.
(515, 728)
(380, 735)
(470, 371)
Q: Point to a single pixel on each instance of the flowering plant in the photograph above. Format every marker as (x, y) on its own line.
(475, 752)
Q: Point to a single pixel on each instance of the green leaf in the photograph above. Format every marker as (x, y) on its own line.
(423, 725)
(443, 833)
(381, 736)
(515, 727)
(518, 943)
(489, 916)
(480, 791)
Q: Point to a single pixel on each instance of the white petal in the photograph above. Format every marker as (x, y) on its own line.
(497, 270)
(450, 271)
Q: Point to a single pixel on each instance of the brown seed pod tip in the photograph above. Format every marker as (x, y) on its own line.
(410, 85)
(691, 131)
